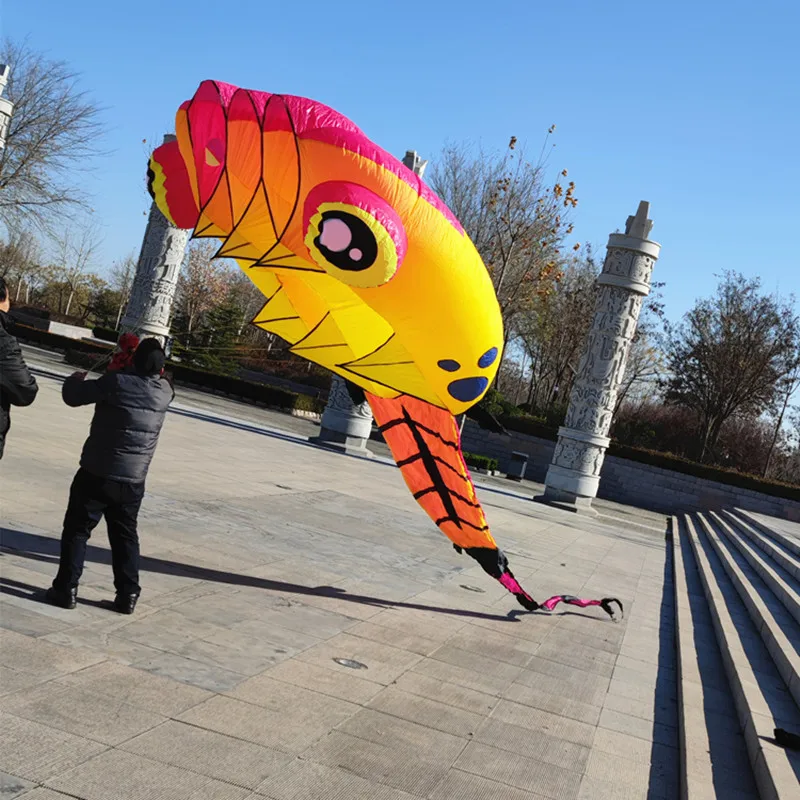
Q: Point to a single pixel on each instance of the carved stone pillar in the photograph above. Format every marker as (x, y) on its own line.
(163, 248)
(6, 106)
(574, 474)
(346, 426)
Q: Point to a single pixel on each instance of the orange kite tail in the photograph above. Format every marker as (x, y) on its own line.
(425, 443)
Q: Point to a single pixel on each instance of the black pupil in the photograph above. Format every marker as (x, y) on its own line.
(362, 250)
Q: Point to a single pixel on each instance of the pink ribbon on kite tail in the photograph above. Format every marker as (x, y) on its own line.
(510, 582)
(495, 563)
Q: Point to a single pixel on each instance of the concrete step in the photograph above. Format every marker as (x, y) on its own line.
(778, 629)
(761, 697)
(773, 530)
(714, 759)
(779, 553)
(783, 584)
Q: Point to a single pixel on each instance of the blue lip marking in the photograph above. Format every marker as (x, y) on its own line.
(467, 389)
(448, 365)
(488, 358)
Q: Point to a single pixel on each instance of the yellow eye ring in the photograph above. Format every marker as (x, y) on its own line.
(355, 236)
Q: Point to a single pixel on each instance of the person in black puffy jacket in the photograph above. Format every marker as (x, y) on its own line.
(130, 407)
(17, 385)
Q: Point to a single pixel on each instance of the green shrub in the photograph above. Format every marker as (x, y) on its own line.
(247, 390)
(532, 426)
(87, 361)
(497, 405)
(481, 462)
(721, 475)
(106, 334)
(57, 342)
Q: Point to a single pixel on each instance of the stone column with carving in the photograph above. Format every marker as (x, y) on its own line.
(345, 425)
(574, 474)
(6, 106)
(150, 306)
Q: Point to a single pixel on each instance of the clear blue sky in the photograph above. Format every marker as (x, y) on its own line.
(692, 106)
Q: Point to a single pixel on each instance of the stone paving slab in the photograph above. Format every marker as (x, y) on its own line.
(263, 561)
(11, 786)
(208, 753)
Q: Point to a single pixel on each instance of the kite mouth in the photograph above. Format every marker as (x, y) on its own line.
(465, 390)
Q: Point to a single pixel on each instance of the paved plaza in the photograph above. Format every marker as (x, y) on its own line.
(267, 562)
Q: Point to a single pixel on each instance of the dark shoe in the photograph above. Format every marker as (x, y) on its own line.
(125, 603)
(62, 599)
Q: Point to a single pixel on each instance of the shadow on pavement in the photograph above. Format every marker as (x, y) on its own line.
(664, 758)
(43, 548)
(36, 595)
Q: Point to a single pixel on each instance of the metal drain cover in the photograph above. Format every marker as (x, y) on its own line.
(473, 588)
(350, 664)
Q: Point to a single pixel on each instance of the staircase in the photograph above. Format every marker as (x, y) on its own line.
(737, 600)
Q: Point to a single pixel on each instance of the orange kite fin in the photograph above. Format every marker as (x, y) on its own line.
(425, 443)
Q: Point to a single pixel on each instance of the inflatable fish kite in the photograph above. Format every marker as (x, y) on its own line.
(366, 273)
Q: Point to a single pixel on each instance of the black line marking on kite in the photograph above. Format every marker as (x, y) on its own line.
(255, 321)
(236, 227)
(410, 460)
(458, 521)
(296, 201)
(299, 341)
(295, 349)
(229, 253)
(198, 234)
(277, 319)
(205, 147)
(235, 222)
(400, 392)
(466, 501)
(299, 171)
(438, 436)
(429, 461)
(385, 364)
(225, 166)
(371, 353)
(258, 265)
(266, 193)
(445, 464)
(275, 261)
(392, 423)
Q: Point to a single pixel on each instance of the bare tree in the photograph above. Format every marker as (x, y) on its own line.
(246, 296)
(645, 365)
(202, 283)
(122, 274)
(553, 333)
(54, 131)
(76, 249)
(729, 355)
(517, 220)
(20, 257)
(787, 387)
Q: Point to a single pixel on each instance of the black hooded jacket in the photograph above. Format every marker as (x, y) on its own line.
(17, 385)
(129, 412)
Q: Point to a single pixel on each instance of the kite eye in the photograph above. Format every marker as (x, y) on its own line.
(353, 234)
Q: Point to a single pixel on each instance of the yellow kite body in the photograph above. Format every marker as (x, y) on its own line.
(365, 271)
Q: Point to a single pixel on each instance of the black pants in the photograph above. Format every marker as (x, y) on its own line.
(90, 499)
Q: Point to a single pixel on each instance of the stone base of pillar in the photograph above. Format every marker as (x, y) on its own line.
(342, 443)
(345, 427)
(566, 501)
